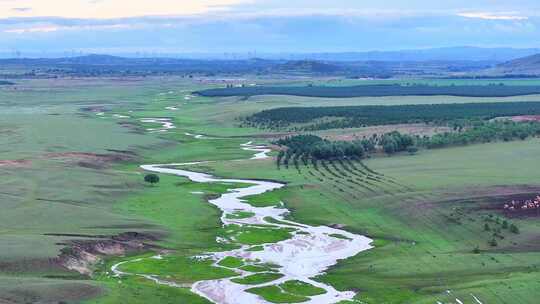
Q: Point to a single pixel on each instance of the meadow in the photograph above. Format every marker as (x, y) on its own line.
(53, 185)
(426, 212)
(427, 231)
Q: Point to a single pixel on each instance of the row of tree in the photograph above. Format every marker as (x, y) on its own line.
(323, 118)
(377, 90)
(394, 142)
(482, 133)
(311, 147)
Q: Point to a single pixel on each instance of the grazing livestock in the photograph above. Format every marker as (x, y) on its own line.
(523, 205)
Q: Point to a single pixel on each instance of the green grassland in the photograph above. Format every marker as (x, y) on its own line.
(56, 194)
(258, 278)
(53, 194)
(420, 251)
(288, 292)
(426, 214)
(409, 238)
(180, 269)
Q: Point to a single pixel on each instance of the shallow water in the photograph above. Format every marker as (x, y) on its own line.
(310, 251)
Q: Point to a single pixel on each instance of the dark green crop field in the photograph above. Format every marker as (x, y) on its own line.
(492, 90)
(359, 116)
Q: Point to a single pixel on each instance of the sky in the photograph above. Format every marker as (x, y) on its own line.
(264, 26)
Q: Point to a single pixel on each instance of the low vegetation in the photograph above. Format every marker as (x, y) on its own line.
(301, 288)
(231, 262)
(258, 278)
(288, 292)
(274, 294)
(179, 268)
(256, 235)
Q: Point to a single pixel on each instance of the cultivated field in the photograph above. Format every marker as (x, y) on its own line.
(378, 90)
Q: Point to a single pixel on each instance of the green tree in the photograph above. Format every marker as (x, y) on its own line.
(280, 156)
(514, 229)
(412, 150)
(151, 179)
(389, 146)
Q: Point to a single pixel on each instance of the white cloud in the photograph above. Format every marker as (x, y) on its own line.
(493, 16)
(107, 9)
(56, 28)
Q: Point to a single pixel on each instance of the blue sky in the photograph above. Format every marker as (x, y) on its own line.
(218, 26)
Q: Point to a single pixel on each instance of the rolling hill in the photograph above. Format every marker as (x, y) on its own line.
(526, 66)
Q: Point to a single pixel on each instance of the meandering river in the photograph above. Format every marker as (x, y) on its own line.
(308, 253)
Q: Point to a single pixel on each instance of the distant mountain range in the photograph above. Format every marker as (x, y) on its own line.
(435, 54)
(99, 65)
(496, 55)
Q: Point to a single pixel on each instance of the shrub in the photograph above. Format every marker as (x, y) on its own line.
(151, 179)
(412, 150)
(514, 229)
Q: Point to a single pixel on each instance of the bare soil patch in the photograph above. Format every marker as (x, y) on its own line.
(525, 118)
(83, 159)
(94, 109)
(81, 255)
(15, 163)
(491, 199)
(499, 204)
(91, 160)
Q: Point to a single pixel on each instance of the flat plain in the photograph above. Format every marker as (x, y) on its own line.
(72, 172)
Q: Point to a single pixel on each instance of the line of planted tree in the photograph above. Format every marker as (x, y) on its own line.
(324, 118)
(311, 148)
(492, 90)
(483, 132)
(305, 149)
(338, 162)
